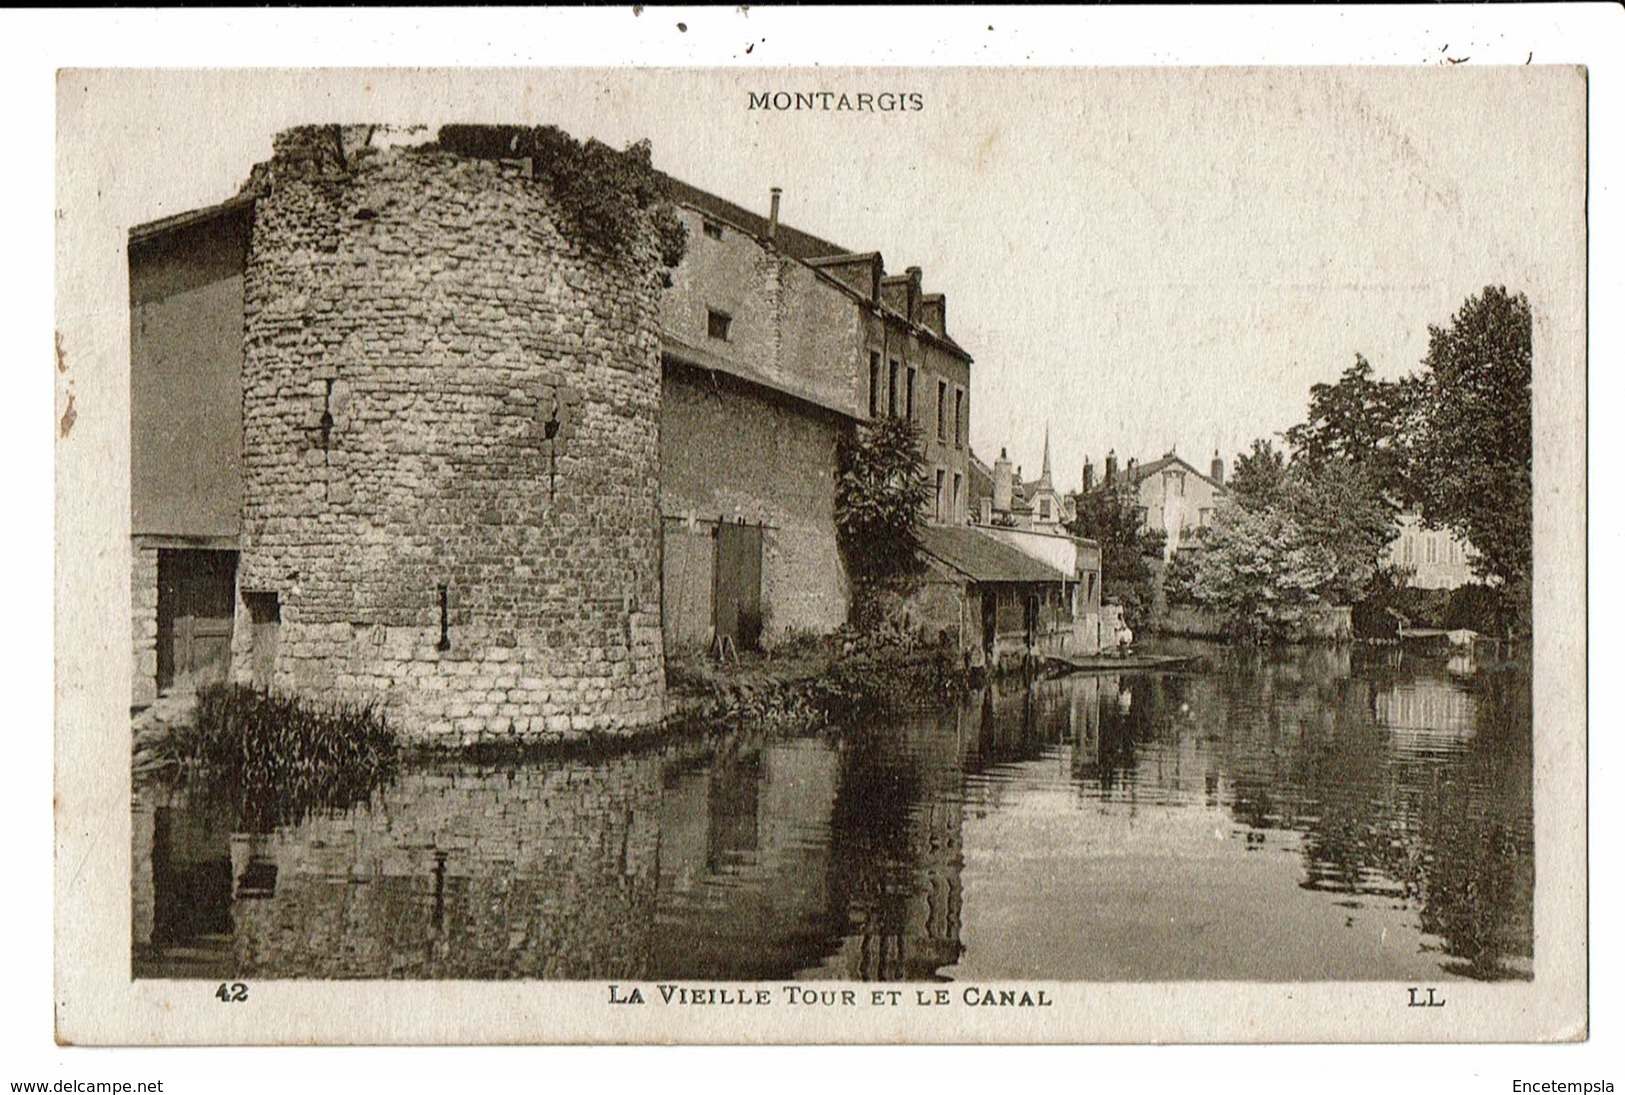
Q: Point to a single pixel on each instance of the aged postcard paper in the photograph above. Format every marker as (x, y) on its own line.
(548, 564)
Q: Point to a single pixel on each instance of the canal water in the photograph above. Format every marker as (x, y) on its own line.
(1316, 814)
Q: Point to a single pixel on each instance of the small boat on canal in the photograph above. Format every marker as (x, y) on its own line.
(1119, 663)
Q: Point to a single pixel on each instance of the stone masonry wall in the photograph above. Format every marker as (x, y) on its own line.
(448, 401)
(144, 624)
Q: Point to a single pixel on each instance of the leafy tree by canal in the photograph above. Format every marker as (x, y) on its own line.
(880, 498)
(1364, 422)
(1474, 453)
(1294, 534)
(1452, 441)
(1258, 475)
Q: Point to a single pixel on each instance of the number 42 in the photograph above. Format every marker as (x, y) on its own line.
(234, 993)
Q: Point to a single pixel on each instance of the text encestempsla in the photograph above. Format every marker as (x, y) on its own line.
(869, 102)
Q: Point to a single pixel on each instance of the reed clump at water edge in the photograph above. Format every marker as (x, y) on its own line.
(277, 756)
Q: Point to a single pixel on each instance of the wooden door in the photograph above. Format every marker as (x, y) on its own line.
(196, 600)
(737, 603)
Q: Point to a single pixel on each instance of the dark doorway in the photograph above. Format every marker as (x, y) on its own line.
(738, 589)
(196, 598)
(990, 621)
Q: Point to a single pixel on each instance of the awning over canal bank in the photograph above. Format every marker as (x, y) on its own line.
(981, 558)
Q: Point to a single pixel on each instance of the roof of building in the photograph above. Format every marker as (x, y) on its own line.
(1145, 471)
(698, 357)
(802, 245)
(980, 477)
(981, 558)
(805, 247)
(141, 233)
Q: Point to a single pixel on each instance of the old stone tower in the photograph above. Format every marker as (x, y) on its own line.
(450, 446)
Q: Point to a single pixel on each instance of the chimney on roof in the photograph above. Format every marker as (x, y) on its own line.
(773, 214)
(1088, 475)
(1003, 488)
(1217, 471)
(1111, 467)
(1128, 470)
(915, 277)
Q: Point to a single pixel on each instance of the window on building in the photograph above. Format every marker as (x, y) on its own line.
(1043, 509)
(893, 395)
(942, 410)
(941, 479)
(874, 385)
(1433, 549)
(1408, 550)
(717, 323)
(959, 418)
(958, 484)
(713, 229)
(1455, 552)
(908, 397)
(1204, 516)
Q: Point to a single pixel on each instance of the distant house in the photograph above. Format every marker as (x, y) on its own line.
(1438, 558)
(1173, 495)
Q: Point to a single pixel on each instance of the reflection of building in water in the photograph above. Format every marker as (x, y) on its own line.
(744, 872)
(897, 855)
(1430, 707)
(448, 873)
(1142, 735)
(181, 887)
(800, 859)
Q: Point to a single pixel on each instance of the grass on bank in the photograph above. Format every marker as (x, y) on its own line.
(278, 757)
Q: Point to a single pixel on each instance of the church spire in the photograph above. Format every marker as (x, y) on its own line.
(1044, 475)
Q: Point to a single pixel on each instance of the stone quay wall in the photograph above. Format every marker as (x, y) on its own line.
(451, 457)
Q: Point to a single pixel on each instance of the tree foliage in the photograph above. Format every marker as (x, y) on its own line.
(609, 196)
(1296, 534)
(1454, 441)
(1365, 423)
(1258, 476)
(1474, 450)
(879, 498)
(1260, 571)
(1109, 514)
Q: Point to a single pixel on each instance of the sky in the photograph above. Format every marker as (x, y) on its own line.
(1140, 260)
